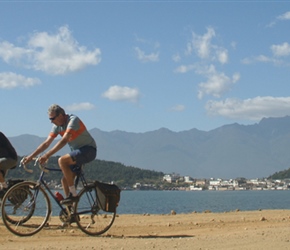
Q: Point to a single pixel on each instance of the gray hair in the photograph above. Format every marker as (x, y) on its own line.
(54, 108)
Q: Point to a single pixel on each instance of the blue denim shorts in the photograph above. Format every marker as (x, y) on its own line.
(81, 156)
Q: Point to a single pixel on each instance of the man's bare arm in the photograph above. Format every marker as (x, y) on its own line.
(43, 146)
(59, 145)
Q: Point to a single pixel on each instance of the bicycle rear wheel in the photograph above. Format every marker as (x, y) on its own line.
(89, 216)
(25, 208)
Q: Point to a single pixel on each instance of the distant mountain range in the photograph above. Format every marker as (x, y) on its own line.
(230, 151)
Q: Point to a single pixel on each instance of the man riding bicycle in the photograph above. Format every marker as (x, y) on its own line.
(83, 148)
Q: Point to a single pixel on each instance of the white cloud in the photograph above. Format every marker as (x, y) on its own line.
(55, 54)
(118, 93)
(184, 68)
(233, 45)
(9, 80)
(222, 55)
(144, 57)
(205, 49)
(262, 59)
(178, 108)
(217, 83)
(60, 53)
(285, 16)
(250, 109)
(176, 58)
(281, 50)
(8, 52)
(153, 57)
(80, 106)
(202, 44)
(150, 43)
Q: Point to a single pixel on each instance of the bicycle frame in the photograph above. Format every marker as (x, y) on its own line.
(79, 177)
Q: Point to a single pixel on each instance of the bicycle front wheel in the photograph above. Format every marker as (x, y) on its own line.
(88, 215)
(25, 208)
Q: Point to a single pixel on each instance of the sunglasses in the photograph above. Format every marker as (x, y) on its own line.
(53, 118)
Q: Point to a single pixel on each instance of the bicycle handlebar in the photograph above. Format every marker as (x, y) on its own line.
(30, 170)
(42, 167)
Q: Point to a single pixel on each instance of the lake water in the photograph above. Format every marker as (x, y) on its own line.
(162, 202)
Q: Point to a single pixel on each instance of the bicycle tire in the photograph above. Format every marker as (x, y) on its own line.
(25, 208)
(89, 216)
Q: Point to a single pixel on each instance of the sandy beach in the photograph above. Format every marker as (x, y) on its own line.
(267, 229)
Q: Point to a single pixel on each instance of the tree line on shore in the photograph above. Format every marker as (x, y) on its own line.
(281, 175)
(105, 171)
(110, 172)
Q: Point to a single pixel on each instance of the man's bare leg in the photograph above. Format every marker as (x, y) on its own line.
(68, 176)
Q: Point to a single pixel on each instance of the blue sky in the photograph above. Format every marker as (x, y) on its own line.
(137, 66)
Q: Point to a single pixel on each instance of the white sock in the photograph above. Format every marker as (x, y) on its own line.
(73, 190)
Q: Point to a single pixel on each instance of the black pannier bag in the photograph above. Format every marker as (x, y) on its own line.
(108, 196)
(19, 195)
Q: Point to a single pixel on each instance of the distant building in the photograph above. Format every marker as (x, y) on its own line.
(171, 177)
(137, 186)
(188, 179)
(201, 182)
